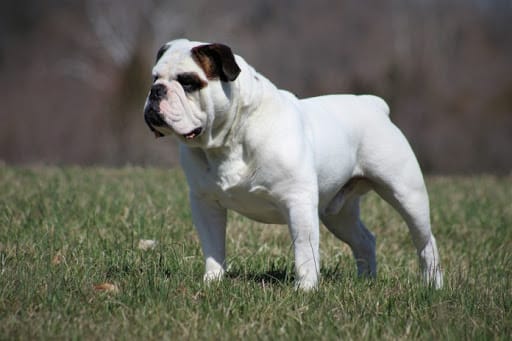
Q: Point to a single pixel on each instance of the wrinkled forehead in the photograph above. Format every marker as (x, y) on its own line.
(175, 57)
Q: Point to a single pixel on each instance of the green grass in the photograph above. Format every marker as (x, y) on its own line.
(94, 218)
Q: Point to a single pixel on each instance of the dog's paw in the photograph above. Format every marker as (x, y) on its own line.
(433, 278)
(306, 285)
(213, 276)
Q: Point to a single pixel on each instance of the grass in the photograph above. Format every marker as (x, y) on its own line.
(65, 230)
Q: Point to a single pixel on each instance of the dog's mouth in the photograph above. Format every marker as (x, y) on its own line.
(154, 121)
(193, 134)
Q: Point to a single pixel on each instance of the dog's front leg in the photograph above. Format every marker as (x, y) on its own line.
(209, 218)
(304, 229)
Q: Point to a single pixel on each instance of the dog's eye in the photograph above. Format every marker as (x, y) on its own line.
(190, 82)
(155, 77)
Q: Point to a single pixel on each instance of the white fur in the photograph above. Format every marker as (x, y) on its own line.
(277, 159)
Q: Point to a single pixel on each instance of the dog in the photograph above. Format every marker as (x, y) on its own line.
(248, 146)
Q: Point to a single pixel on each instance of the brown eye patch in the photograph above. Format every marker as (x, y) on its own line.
(190, 81)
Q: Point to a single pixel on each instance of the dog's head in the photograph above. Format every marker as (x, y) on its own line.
(191, 91)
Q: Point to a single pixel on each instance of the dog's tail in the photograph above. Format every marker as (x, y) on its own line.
(376, 102)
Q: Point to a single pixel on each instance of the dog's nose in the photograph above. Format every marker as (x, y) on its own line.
(158, 91)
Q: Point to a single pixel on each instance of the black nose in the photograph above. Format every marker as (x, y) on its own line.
(158, 91)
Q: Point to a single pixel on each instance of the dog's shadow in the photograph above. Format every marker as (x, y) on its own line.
(282, 275)
(274, 276)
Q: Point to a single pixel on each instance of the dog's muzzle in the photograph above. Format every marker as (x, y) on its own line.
(154, 116)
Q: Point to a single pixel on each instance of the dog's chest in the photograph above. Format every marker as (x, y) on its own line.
(236, 185)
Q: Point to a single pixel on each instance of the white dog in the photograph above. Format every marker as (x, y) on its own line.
(247, 146)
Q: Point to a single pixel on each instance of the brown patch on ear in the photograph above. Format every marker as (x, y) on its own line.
(217, 61)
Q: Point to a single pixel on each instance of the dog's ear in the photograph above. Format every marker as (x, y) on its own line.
(217, 61)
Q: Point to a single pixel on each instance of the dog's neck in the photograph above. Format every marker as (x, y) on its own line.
(251, 89)
(255, 89)
(226, 150)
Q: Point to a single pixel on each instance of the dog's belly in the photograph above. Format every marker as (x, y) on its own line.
(255, 204)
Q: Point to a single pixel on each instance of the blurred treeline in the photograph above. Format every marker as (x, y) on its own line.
(74, 74)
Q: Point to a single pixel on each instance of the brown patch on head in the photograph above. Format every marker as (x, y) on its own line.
(217, 61)
(161, 51)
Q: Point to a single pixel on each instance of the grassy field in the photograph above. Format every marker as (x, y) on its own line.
(64, 232)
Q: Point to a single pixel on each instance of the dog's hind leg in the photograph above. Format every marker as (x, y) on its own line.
(411, 201)
(347, 226)
(397, 178)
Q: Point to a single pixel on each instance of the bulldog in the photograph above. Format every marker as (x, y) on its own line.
(248, 146)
